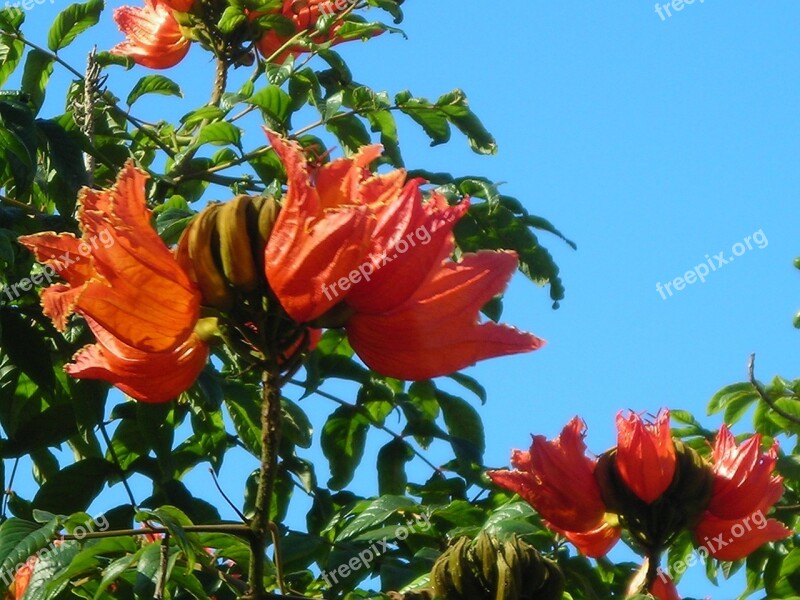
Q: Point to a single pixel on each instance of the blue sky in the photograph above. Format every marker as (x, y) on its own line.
(651, 143)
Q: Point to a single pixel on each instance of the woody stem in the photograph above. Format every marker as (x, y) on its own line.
(220, 81)
(270, 438)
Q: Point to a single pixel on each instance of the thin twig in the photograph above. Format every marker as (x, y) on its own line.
(21, 205)
(229, 528)
(762, 393)
(277, 559)
(118, 464)
(239, 513)
(8, 488)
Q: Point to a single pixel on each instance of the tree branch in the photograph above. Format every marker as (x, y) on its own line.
(762, 393)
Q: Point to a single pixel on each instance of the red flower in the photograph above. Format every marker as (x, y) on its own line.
(304, 15)
(645, 455)
(744, 491)
(141, 306)
(154, 37)
(557, 479)
(179, 5)
(663, 588)
(368, 243)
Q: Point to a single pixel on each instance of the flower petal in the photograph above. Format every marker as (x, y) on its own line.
(594, 543)
(742, 476)
(645, 455)
(436, 331)
(153, 377)
(737, 538)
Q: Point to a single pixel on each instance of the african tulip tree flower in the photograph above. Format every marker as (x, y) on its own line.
(154, 37)
(744, 489)
(645, 454)
(651, 485)
(557, 478)
(140, 304)
(342, 245)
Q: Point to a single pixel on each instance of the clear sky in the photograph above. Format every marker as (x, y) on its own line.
(651, 143)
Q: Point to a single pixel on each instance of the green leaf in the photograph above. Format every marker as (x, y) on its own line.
(464, 426)
(11, 51)
(296, 425)
(73, 21)
(456, 108)
(38, 68)
(221, 133)
(243, 403)
(148, 569)
(344, 436)
(274, 103)
(153, 84)
(375, 515)
(431, 118)
(26, 347)
(231, 18)
(349, 130)
(392, 459)
(20, 539)
(75, 487)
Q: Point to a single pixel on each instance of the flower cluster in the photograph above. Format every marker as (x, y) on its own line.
(651, 485)
(415, 318)
(158, 40)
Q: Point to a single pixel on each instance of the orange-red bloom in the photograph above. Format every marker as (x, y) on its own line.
(368, 244)
(304, 15)
(663, 588)
(154, 37)
(179, 5)
(141, 306)
(22, 579)
(557, 479)
(645, 455)
(744, 491)
(574, 494)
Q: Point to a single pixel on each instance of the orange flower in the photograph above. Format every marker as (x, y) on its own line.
(645, 455)
(744, 491)
(141, 306)
(22, 579)
(303, 14)
(368, 243)
(154, 37)
(557, 479)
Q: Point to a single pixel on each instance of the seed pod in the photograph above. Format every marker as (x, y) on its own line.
(196, 254)
(488, 570)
